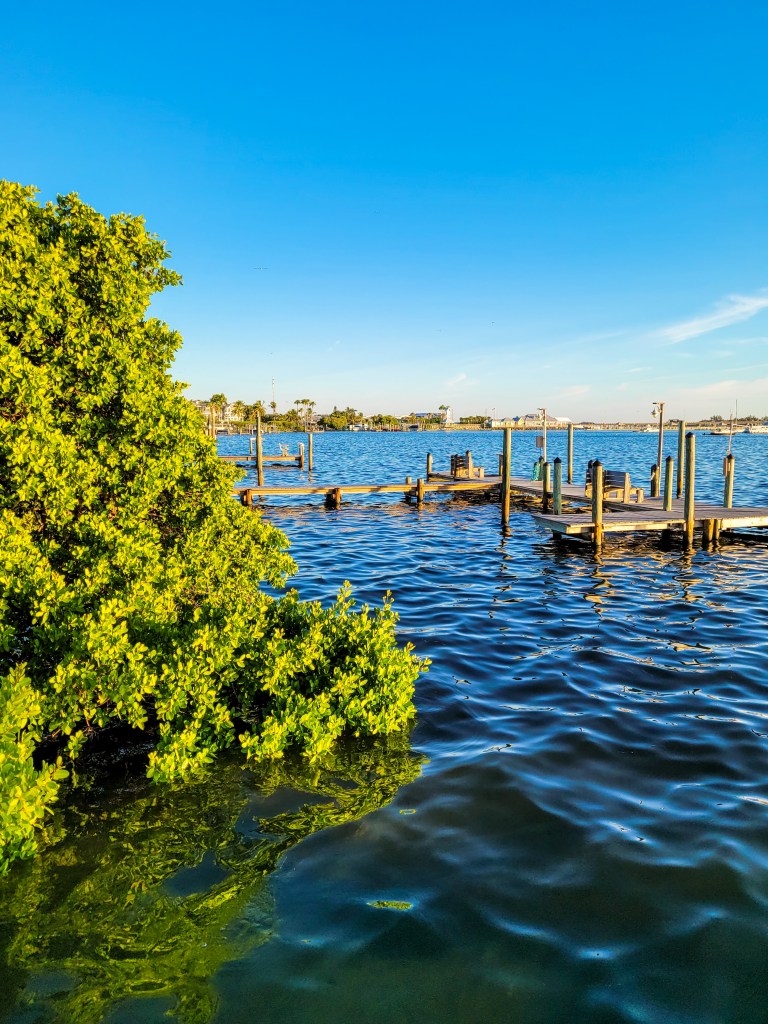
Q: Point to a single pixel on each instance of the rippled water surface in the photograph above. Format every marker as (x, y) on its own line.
(575, 830)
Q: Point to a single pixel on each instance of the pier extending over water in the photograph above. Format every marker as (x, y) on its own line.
(609, 502)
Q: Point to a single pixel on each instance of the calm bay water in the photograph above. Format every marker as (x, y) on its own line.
(576, 829)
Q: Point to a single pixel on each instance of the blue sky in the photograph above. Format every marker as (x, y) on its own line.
(397, 206)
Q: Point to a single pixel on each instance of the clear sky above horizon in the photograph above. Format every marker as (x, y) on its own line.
(403, 205)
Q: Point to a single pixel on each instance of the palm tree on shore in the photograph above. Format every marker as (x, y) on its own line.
(217, 404)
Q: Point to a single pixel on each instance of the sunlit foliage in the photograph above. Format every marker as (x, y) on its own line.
(129, 578)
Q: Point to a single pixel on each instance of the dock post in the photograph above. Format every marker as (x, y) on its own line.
(680, 457)
(654, 481)
(470, 466)
(506, 475)
(259, 453)
(310, 451)
(429, 465)
(668, 471)
(570, 453)
(333, 498)
(730, 467)
(597, 504)
(690, 486)
(420, 491)
(301, 456)
(546, 486)
(707, 532)
(557, 498)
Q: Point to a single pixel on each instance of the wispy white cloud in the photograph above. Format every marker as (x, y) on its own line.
(574, 391)
(454, 382)
(732, 310)
(730, 388)
(640, 369)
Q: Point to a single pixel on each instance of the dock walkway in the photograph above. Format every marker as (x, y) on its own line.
(620, 518)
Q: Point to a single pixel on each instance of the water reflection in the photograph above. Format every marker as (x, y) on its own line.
(150, 894)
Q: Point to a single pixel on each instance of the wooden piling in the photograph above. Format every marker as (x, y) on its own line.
(597, 504)
(557, 497)
(420, 491)
(730, 471)
(310, 451)
(680, 457)
(655, 481)
(429, 465)
(690, 487)
(259, 453)
(333, 498)
(505, 472)
(546, 486)
(470, 466)
(570, 453)
(668, 473)
(707, 532)
(301, 455)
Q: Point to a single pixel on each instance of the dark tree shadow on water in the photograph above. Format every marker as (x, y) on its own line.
(153, 889)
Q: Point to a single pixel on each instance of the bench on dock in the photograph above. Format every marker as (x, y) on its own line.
(616, 483)
(462, 467)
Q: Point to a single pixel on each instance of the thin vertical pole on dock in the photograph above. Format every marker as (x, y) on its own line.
(546, 486)
(259, 453)
(506, 475)
(544, 434)
(655, 480)
(470, 465)
(420, 491)
(429, 465)
(557, 497)
(570, 453)
(730, 469)
(311, 452)
(690, 486)
(597, 504)
(680, 457)
(668, 473)
(301, 455)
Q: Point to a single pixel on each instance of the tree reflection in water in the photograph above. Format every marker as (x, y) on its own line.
(155, 888)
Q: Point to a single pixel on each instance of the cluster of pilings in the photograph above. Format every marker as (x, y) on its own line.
(255, 446)
(552, 483)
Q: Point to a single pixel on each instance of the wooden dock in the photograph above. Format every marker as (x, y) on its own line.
(257, 460)
(607, 504)
(334, 495)
(651, 516)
